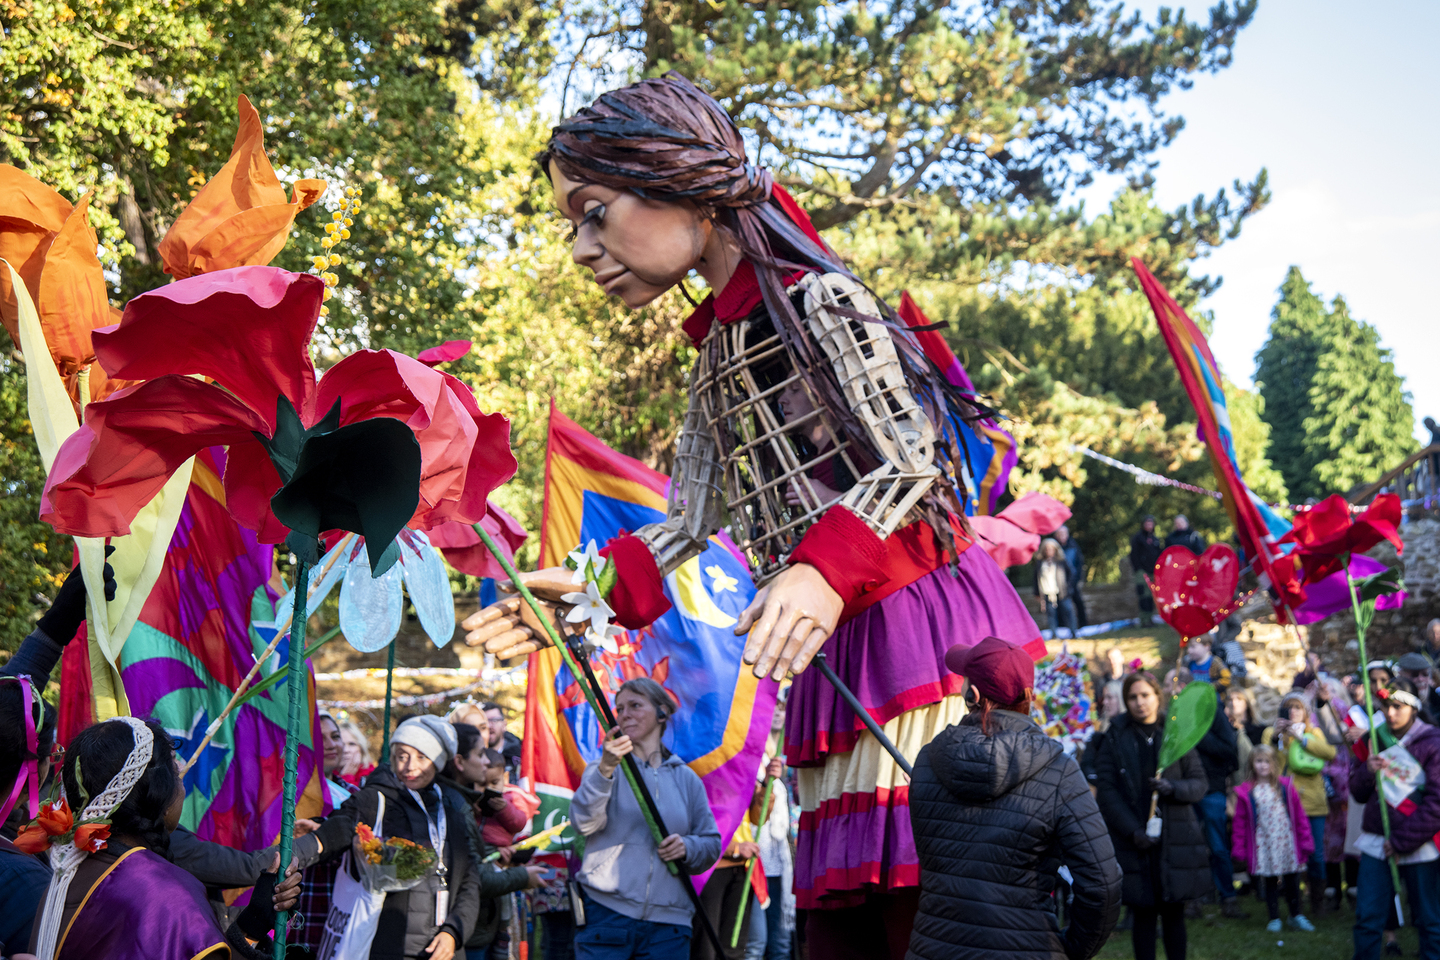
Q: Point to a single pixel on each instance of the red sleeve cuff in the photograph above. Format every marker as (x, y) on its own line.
(848, 554)
(638, 598)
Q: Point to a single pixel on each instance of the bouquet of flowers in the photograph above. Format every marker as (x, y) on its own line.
(393, 863)
(1062, 704)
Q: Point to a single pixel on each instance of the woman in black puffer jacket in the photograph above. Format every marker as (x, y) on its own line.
(1160, 875)
(996, 807)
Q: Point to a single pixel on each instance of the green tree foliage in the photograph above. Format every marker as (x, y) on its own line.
(935, 142)
(137, 100)
(33, 559)
(1337, 410)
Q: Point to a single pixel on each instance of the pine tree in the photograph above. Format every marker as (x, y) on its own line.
(1363, 421)
(1285, 369)
(1338, 413)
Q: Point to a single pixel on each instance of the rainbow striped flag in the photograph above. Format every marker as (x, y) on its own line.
(723, 722)
(189, 650)
(990, 452)
(1257, 526)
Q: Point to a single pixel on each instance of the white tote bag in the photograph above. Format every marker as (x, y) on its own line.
(354, 910)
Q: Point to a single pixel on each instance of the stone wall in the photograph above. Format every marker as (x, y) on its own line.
(1393, 632)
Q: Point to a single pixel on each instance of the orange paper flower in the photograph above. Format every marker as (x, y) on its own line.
(92, 836)
(52, 246)
(241, 218)
(33, 839)
(55, 817)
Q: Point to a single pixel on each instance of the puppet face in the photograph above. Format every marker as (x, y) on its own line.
(636, 248)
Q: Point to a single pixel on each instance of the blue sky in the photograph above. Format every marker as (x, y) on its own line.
(1337, 100)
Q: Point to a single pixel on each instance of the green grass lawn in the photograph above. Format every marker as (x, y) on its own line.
(1214, 938)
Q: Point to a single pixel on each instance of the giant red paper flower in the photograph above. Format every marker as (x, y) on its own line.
(1326, 534)
(224, 359)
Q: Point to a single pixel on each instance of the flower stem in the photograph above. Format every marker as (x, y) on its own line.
(592, 696)
(389, 689)
(299, 690)
(1370, 714)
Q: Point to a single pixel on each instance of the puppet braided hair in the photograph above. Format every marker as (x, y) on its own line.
(101, 750)
(665, 139)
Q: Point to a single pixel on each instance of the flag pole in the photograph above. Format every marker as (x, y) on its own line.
(828, 673)
(750, 864)
(591, 689)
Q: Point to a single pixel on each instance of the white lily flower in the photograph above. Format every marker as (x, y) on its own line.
(589, 606)
(588, 557)
(606, 640)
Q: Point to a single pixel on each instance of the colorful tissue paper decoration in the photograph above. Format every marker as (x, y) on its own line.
(1062, 706)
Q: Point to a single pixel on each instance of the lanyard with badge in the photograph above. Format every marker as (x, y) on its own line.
(437, 829)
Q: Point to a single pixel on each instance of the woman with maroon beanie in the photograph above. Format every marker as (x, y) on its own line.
(996, 807)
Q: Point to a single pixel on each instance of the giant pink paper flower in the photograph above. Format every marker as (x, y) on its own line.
(248, 330)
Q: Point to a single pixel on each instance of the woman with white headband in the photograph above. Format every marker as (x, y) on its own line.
(114, 893)
(1414, 821)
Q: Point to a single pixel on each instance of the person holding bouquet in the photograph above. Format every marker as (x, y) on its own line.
(432, 918)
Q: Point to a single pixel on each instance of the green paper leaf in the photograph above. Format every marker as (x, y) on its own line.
(607, 580)
(290, 435)
(1378, 585)
(363, 477)
(1192, 711)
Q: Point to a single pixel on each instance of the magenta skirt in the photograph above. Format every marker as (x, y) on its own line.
(892, 655)
(853, 836)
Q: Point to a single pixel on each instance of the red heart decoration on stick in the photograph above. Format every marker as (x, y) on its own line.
(1193, 593)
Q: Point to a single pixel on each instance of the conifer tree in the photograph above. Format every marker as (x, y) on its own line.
(1338, 413)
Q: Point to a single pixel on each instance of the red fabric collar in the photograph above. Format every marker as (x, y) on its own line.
(740, 296)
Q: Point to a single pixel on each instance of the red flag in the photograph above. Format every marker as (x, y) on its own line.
(1257, 526)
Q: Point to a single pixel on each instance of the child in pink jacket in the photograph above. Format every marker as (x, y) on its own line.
(1272, 836)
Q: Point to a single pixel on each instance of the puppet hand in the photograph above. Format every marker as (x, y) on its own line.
(509, 628)
(792, 618)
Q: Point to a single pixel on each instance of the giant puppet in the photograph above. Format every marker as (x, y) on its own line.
(823, 438)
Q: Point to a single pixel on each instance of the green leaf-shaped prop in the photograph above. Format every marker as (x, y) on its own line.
(1192, 711)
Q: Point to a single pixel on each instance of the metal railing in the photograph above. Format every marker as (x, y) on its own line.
(1416, 478)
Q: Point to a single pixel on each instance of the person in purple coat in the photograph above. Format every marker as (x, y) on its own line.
(1414, 822)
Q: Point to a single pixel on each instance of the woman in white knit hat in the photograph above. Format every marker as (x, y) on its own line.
(433, 919)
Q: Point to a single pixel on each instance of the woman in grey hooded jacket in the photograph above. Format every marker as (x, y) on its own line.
(635, 909)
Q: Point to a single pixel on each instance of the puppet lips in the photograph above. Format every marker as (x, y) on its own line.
(248, 330)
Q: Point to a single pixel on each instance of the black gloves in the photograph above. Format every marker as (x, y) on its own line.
(521, 857)
(258, 918)
(1163, 787)
(1143, 840)
(68, 611)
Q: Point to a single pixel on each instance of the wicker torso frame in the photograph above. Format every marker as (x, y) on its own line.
(737, 456)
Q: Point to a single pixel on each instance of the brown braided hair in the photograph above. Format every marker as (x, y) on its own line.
(665, 139)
